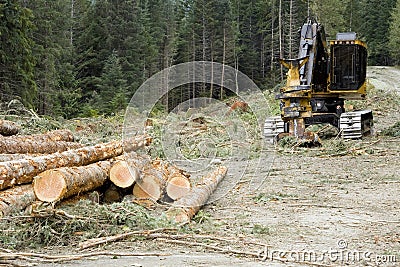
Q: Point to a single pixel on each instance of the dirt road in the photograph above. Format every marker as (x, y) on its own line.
(384, 77)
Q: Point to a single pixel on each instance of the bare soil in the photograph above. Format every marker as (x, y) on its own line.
(342, 209)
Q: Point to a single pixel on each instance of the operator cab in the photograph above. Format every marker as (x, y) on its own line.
(348, 63)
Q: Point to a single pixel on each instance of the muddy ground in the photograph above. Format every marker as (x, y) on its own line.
(310, 210)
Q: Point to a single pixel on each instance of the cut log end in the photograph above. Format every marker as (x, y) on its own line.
(178, 187)
(49, 186)
(147, 190)
(123, 176)
(8, 128)
(186, 207)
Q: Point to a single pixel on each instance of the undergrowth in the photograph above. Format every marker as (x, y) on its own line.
(329, 147)
(77, 222)
(378, 100)
(393, 131)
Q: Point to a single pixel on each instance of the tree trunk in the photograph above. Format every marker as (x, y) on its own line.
(152, 182)
(56, 135)
(281, 55)
(9, 157)
(16, 199)
(185, 208)
(178, 184)
(8, 145)
(54, 141)
(160, 180)
(57, 184)
(23, 171)
(8, 128)
(124, 172)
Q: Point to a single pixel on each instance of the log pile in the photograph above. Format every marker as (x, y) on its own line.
(58, 173)
(52, 167)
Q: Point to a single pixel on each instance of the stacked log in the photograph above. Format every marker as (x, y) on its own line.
(150, 186)
(126, 170)
(160, 180)
(61, 183)
(55, 141)
(178, 184)
(185, 208)
(51, 136)
(17, 198)
(32, 146)
(8, 128)
(10, 157)
(22, 171)
(64, 169)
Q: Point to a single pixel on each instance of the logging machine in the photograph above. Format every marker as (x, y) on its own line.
(319, 81)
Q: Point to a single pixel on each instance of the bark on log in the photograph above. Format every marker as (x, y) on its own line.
(9, 157)
(53, 141)
(185, 208)
(51, 136)
(9, 145)
(23, 171)
(8, 128)
(57, 184)
(126, 170)
(16, 199)
(178, 184)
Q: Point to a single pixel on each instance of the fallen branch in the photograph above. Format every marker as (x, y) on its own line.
(216, 248)
(107, 239)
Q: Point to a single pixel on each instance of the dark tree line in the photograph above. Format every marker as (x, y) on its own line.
(87, 57)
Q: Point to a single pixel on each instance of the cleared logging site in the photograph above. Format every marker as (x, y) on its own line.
(73, 194)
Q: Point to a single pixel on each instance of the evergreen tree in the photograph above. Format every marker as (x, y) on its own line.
(112, 86)
(375, 29)
(16, 58)
(333, 15)
(394, 34)
(52, 51)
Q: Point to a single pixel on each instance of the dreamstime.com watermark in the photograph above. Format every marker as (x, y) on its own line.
(341, 255)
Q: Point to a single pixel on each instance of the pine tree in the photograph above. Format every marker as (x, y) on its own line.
(375, 30)
(16, 58)
(394, 34)
(332, 14)
(112, 86)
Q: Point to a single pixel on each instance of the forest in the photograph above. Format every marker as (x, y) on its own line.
(87, 57)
